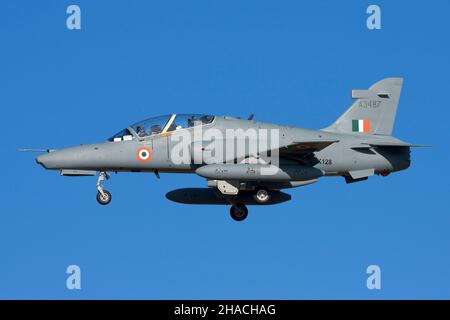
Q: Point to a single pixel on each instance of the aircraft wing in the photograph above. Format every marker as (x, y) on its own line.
(307, 146)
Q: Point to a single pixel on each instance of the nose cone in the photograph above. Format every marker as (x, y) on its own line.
(83, 157)
(42, 160)
(60, 159)
(52, 160)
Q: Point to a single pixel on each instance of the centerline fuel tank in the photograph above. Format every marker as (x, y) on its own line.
(258, 172)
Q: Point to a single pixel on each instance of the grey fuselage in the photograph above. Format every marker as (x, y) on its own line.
(348, 153)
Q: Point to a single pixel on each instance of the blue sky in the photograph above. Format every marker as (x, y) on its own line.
(289, 62)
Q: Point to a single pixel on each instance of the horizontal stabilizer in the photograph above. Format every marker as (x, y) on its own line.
(387, 144)
(397, 144)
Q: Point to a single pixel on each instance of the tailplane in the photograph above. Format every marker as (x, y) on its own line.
(374, 110)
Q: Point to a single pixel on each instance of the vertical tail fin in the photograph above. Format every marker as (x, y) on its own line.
(374, 110)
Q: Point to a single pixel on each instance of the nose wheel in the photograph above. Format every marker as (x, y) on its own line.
(103, 196)
(238, 211)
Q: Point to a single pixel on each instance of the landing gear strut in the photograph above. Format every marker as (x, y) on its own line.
(238, 211)
(103, 196)
(262, 195)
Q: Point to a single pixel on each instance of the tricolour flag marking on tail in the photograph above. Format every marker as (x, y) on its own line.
(361, 125)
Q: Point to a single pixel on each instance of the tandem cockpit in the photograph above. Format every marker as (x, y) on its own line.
(161, 125)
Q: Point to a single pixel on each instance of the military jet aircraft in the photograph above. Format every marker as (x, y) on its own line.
(247, 162)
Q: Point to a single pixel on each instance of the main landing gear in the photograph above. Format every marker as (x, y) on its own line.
(103, 196)
(262, 195)
(238, 211)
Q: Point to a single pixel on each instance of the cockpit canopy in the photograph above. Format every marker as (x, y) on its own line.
(162, 124)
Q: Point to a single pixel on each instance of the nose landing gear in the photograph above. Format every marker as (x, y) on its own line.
(103, 196)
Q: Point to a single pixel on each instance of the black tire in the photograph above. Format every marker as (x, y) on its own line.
(258, 193)
(238, 212)
(104, 200)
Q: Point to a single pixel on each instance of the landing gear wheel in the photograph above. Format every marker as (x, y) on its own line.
(104, 198)
(262, 196)
(238, 211)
